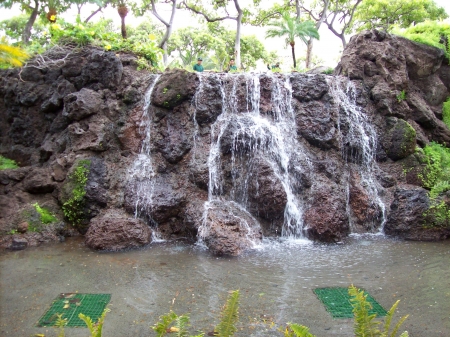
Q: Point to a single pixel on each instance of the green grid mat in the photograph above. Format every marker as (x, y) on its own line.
(337, 302)
(70, 305)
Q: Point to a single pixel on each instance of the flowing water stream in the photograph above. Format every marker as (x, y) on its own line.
(275, 281)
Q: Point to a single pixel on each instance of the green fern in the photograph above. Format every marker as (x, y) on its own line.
(387, 323)
(60, 324)
(164, 322)
(300, 330)
(229, 316)
(364, 325)
(95, 329)
(181, 325)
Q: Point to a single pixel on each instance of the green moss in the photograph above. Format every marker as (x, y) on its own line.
(46, 216)
(6, 163)
(73, 207)
(436, 178)
(446, 112)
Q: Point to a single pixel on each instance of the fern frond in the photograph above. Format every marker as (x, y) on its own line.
(162, 325)
(364, 325)
(300, 330)
(229, 316)
(182, 323)
(88, 321)
(405, 334)
(397, 326)
(389, 315)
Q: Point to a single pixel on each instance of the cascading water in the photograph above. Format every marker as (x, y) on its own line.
(142, 173)
(359, 144)
(250, 135)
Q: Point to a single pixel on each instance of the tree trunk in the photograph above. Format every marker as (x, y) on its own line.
(27, 31)
(293, 54)
(123, 28)
(169, 26)
(309, 48)
(237, 41)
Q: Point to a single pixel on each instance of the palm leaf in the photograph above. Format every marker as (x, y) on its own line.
(229, 316)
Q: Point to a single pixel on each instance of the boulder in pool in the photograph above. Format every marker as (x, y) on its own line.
(112, 233)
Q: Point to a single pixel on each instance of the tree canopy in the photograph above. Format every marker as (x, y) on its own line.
(386, 14)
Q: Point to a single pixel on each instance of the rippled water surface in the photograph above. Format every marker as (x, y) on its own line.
(276, 283)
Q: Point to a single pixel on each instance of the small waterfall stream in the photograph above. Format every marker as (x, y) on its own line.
(359, 145)
(142, 173)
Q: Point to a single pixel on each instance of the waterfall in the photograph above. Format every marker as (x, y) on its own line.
(141, 173)
(250, 136)
(358, 144)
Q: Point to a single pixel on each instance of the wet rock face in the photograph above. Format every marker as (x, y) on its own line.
(262, 151)
(229, 229)
(113, 234)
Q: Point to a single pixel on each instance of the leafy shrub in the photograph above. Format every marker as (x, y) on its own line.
(6, 163)
(101, 34)
(97, 328)
(73, 207)
(436, 178)
(432, 33)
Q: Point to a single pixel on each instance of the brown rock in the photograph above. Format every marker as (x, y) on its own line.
(22, 227)
(39, 181)
(114, 234)
(229, 229)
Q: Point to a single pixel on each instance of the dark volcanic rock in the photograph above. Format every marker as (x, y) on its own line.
(229, 229)
(82, 104)
(112, 233)
(174, 88)
(257, 142)
(406, 217)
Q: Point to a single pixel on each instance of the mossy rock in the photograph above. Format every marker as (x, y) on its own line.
(400, 141)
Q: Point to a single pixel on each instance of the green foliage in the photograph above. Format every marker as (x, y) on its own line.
(95, 329)
(297, 330)
(229, 316)
(73, 207)
(6, 163)
(46, 216)
(365, 324)
(436, 34)
(162, 326)
(384, 14)
(60, 324)
(446, 112)
(401, 96)
(436, 177)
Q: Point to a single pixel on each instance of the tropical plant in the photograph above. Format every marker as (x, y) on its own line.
(6, 163)
(229, 316)
(365, 324)
(95, 329)
(122, 9)
(45, 216)
(292, 28)
(11, 56)
(446, 112)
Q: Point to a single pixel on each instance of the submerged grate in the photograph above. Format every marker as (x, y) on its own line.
(70, 305)
(337, 302)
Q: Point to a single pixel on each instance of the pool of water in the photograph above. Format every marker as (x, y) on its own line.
(275, 281)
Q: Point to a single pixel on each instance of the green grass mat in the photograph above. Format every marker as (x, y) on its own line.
(70, 305)
(337, 302)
